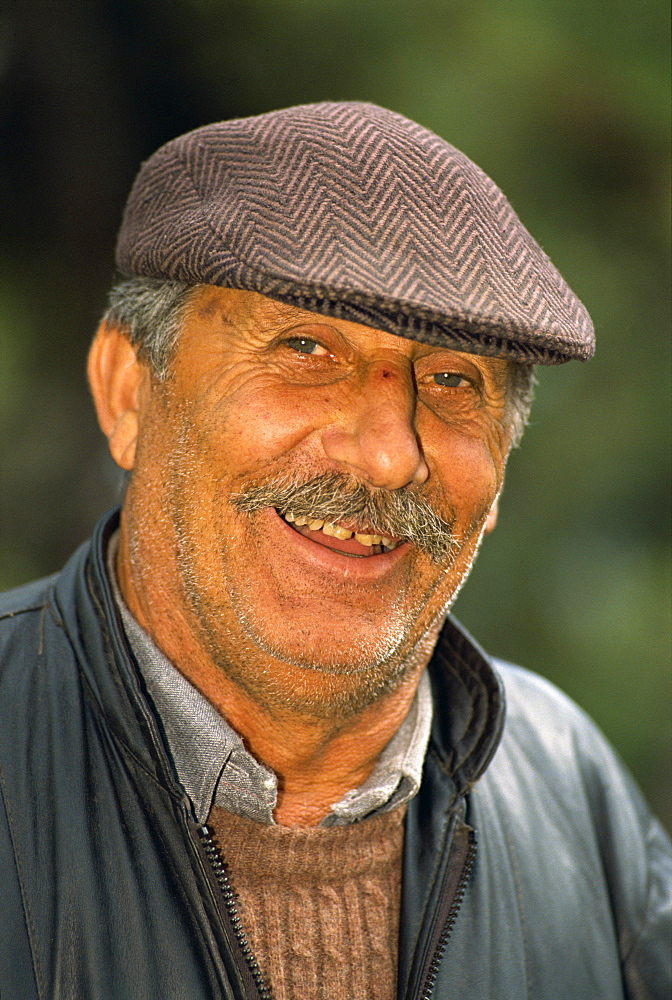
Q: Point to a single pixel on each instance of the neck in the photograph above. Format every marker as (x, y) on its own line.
(317, 757)
(316, 761)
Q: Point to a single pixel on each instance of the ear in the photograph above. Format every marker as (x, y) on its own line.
(115, 377)
(491, 520)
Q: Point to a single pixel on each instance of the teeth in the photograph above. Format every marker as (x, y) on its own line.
(336, 531)
(368, 539)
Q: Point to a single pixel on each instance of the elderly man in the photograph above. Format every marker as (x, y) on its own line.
(244, 751)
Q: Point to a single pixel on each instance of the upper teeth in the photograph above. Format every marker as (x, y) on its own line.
(336, 531)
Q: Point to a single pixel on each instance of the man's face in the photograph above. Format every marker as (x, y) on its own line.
(263, 398)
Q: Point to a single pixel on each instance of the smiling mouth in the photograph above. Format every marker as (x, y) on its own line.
(357, 544)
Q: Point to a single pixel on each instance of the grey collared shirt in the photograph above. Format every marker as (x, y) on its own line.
(214, 767)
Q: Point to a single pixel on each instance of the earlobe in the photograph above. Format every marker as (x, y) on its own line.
(491, 519)
(115, 376)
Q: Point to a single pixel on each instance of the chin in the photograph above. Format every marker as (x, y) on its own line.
(328, 684)
(351, 646)
(329, 673)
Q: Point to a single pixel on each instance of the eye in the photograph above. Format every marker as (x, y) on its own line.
(304, 345)
(449, 379)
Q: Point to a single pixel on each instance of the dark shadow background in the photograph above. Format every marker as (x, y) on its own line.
(565, 104)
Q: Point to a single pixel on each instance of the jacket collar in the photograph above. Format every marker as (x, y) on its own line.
(84, 601)
(469, 706)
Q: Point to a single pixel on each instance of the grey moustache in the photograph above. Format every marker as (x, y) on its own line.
(337, 498)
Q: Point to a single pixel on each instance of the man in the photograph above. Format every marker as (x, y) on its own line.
(244, 752)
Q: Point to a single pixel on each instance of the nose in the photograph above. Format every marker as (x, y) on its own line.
(375, 436)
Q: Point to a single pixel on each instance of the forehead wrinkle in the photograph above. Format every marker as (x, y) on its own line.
(282, 312)
(233, 306)
(248, 306)
(256, 315)
(217, 302)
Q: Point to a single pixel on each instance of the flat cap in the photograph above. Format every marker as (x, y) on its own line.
(349, 210)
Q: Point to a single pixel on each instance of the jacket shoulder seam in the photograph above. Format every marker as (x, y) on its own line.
(29, 609)
(28, 598)
(45, 606)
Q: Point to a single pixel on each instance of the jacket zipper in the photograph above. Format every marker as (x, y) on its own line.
(455, 899)
(214, 856)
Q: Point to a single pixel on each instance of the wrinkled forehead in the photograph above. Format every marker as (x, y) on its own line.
(351, 211)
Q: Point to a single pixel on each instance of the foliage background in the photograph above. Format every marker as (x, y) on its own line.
(565, 104)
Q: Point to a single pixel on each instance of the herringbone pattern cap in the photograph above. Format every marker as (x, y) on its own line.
(353, 211)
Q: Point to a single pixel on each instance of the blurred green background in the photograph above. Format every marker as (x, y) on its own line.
(565, 104)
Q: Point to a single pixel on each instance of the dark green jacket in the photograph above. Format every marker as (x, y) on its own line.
(532, 868)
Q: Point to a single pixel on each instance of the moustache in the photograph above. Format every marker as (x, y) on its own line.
(339, 498)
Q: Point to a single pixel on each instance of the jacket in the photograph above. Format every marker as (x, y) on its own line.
(532, 867)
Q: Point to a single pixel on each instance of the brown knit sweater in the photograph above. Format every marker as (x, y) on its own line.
(319, 906)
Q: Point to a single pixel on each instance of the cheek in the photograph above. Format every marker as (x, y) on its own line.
(469, 470)
(249, 430)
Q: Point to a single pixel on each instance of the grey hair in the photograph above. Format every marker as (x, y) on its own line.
(151, 312)
(520, 395)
